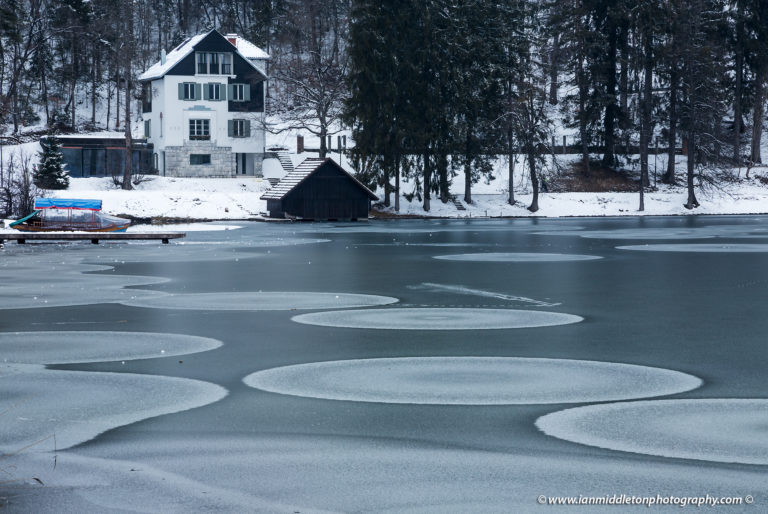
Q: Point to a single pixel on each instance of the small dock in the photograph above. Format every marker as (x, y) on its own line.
(93, 237)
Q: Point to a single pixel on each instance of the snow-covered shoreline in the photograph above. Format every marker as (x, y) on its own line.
(187, 199)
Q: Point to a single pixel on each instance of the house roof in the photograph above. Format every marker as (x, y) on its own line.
(245, 48)
(249, 50)
(291, 180)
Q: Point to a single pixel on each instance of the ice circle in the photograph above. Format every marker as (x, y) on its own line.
(471, 381)
(516, 257)
(718, 430)
(261, 301)
(79, 405)
(699, 248)
(635, 233)
(437, 318)
(73, 346)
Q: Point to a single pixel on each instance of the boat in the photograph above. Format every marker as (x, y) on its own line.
(69, 215)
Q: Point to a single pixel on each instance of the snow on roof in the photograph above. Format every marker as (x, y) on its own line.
(297, 176)
(249, 50)
(159, 69)
(93, 135)
(245, 48)
(292, 179)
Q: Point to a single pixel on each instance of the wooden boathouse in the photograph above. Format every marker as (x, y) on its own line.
(319, 189)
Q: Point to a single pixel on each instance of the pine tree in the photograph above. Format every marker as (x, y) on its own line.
(50, 174)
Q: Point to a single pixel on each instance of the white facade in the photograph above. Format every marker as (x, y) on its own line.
(208, 123)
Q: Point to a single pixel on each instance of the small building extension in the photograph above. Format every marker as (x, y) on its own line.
(319, 189)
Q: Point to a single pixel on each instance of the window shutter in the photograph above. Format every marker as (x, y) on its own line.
(198, 91)
(206, 92)
(147, 127)
(223, 92)
(247, 92)
(247, 128)
(230, 91)
(181, 91)
(231, 128)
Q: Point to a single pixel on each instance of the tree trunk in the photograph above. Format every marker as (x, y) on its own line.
(93, 90)
(386, 186)
(117, 103)
(397, 183)
(468, 169)
(624, 75)
(44, 83)
(609, 158)
(645, 125)
(442, 168)
(323, 144)
(128, 169)
(669, 176)
(427, 180)
(583, 93)
(554, 64)
(511, 150)
(738, 88)
(692, 202)
(534, 179)
(758, 114)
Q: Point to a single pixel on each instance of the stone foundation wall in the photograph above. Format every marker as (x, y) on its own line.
(177, 160)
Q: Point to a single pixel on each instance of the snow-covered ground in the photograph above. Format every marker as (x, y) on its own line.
(239, 198)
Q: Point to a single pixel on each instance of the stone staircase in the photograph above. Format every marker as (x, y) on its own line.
(457, 203)
(285, 161)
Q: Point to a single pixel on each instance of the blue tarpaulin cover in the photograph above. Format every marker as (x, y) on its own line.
(67, 203)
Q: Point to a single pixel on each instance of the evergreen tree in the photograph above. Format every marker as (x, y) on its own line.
(50, 173)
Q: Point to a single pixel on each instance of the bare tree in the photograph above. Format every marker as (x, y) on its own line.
(309, 88)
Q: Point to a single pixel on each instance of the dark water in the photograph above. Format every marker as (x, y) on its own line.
(700, 313)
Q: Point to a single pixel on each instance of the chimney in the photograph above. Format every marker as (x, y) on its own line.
(162, 56)
(232, 38)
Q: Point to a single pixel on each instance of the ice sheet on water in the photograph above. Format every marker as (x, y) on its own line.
(471, 380)
(79, 405)
(73, 346)
(289, 473)
(700, 248)
(720, 430)
(61, 279)
(437, 318)
(636, 233)
(261, 301)
(183, 227)
(426, 227)
(703, 232)
(464, 290)
(516, 257)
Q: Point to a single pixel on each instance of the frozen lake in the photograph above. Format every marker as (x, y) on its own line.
(403, 366)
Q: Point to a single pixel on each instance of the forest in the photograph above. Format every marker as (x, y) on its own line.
(429, 87)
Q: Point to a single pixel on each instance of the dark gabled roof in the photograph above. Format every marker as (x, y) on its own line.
(291, 180)
(160, 69)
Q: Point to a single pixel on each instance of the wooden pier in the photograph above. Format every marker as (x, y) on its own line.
(94, 237)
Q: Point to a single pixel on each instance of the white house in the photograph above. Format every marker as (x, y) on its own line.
(203, 105)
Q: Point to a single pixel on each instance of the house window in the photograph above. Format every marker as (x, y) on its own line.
(240, 92)
(188, 91)
(146, 97)
(214, 91)
(199, 158)
(239, 128)
(214, 63)
(147, 128)
(199, 129)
